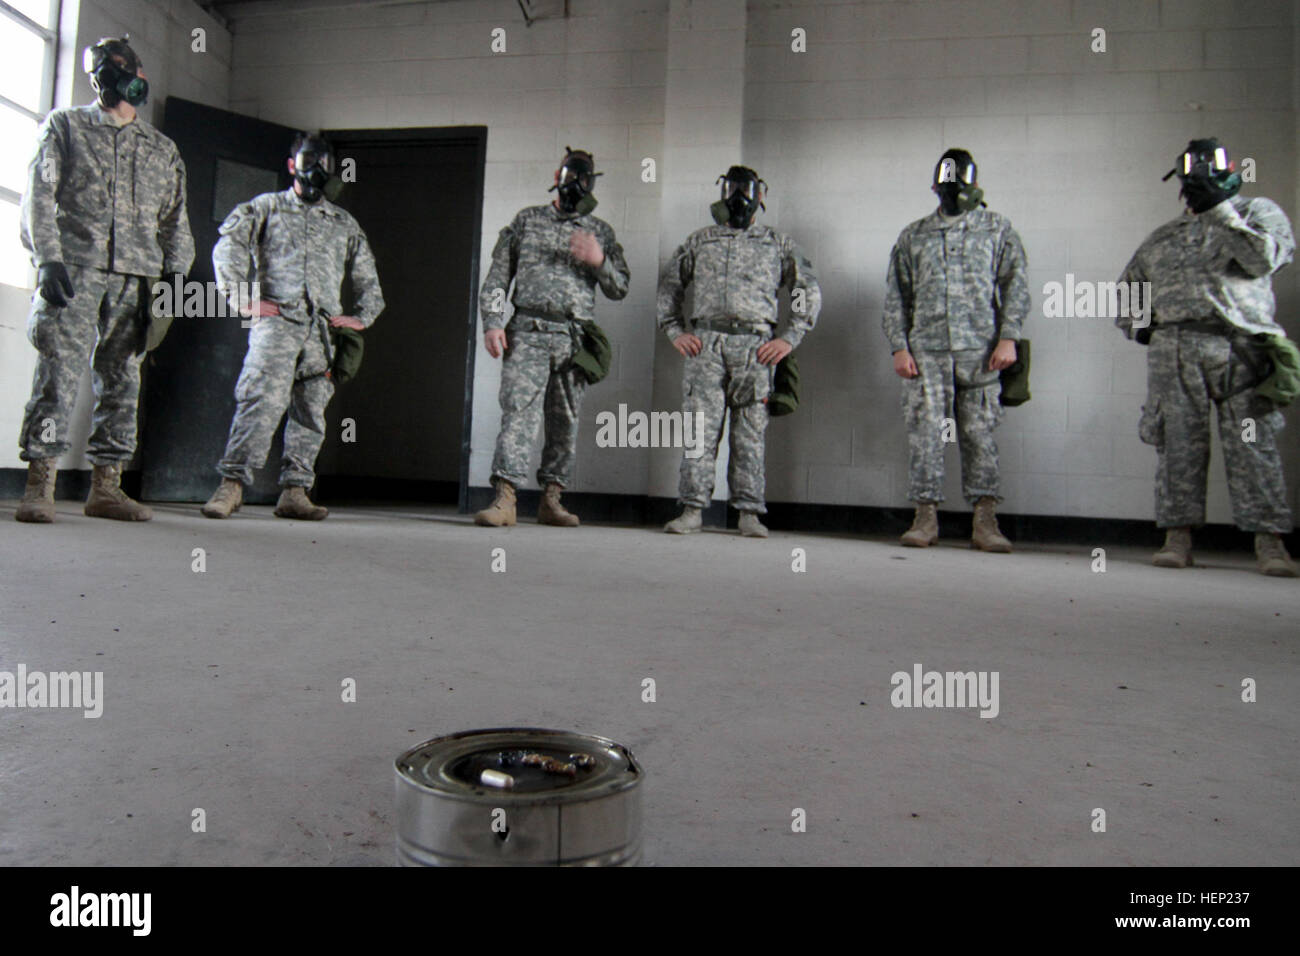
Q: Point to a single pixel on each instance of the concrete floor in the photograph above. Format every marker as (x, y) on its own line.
(1118, 690)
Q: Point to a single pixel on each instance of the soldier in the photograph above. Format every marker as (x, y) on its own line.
(301, 246)
(104, 218)
(1211, 294)
(956, 296)
(737, 270)
(556, 255)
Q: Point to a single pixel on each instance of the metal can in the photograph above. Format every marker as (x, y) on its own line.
(518, 796)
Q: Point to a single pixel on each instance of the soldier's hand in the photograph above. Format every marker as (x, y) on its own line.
(688, 344)
(584, 247)
(494, 340)
(904, 364)
(1004, 356)
(262, 307)
(773, 350)
(347, 322)
(53, 283)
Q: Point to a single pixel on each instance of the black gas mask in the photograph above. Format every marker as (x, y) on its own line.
(955, 178)
(577, 180)
(1207, 175)
(313, 170)
(115, 82)
(740, 198)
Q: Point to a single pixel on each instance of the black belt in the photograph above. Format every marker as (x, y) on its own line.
(1207, 326)
(734, 326)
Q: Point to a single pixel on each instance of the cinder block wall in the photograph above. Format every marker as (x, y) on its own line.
(1071, 144)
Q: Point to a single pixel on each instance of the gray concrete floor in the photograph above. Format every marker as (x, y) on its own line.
(222, 690)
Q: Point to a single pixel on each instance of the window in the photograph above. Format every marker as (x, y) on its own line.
(27, 35)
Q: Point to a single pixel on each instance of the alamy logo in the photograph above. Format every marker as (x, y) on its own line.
(946, 689)
(1085, 299)
(656, 430)
(103, 909)
(193, 299)
(77, 689)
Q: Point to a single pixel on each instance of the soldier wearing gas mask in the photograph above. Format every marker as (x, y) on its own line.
(956, 297)
(556, 255)
(737, 269)
(104, 219)
(301, 247)
(1211, 302)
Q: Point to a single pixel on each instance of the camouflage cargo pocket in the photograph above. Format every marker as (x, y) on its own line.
(1151, 426)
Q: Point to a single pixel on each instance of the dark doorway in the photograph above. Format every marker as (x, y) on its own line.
(189, 380)
(418, 194)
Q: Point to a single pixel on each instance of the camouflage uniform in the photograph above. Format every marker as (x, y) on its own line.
(552, 293)
(954, 288)
(108, 202)
(1214, 267)
(736, 275)
(300, 253)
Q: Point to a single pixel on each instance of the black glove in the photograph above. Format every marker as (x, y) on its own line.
(53, 284)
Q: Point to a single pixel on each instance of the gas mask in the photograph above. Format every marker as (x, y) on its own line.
(577, 180)
(955, 182)
(313, 167)
(740, 199)
(1207, 175)
(114, 83)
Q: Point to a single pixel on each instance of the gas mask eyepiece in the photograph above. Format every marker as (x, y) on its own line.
(1207, 175)
(740, 197)
(114, 71)
(955, 181)
(313, 169)
(577, 182)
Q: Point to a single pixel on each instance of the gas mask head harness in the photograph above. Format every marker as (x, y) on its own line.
(956, 182)
(313, 169)
(1207, 175)
(114, 72)
(576, 182)
(740, 198)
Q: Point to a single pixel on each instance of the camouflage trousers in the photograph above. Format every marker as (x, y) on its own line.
(1187, 372)
(285, 368)
(727, 382)
(957, 386)
(103, 324)
(539, 387)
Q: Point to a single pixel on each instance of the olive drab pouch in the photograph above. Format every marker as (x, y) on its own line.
(1282, 385)
(785, 388)
(1015, 377)
(349, 347)
(595, 355)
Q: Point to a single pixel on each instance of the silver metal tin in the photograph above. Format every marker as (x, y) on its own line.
(447, 817)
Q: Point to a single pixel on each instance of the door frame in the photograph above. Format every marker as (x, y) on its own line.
(476, 138)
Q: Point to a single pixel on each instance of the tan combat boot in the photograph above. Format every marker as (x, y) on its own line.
(985, 534)
(1177, 552)
(226, 500)
(294, 503)
(108, 500)
(1271, 557)
(37, 505)
(501, 513)
(750, 526)
(688, 522)
(550, 511)
(925, 526)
